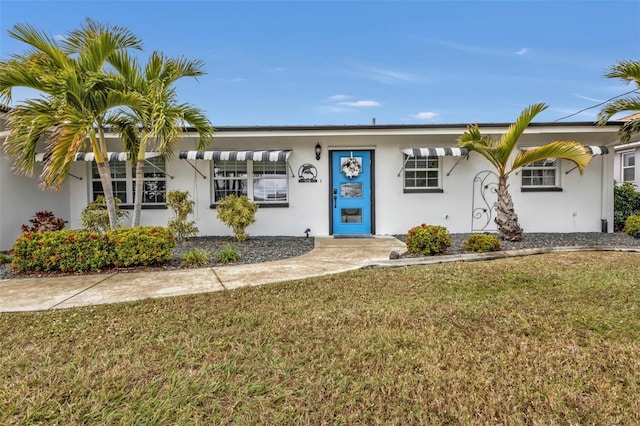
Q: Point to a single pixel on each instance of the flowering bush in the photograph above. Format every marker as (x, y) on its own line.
(482, 243)
(68, 251)
(632, 225)
(81, 250)
(142, 245)
(428, 239)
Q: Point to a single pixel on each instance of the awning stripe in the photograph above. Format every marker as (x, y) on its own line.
(281, 155)
(597, 150)
(435, 152)
(89, 156)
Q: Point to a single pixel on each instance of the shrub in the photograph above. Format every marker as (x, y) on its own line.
(237, 213)
(228, 254)
(95, 217)
(632, 226)
(142, 245)
(196, 257)
(44, 221)
(68, 251)
(626, 202)
(182, 207)
(428, 239)
(4, 258)
(482, 243)
(82, 250)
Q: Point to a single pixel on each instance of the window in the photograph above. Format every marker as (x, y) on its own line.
(421, 174)
(264, 182)
(541, 175)
(628, 167)
(123, 182)
(229, 177)
(270, 182)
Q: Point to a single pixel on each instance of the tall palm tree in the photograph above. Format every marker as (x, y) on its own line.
(628, 71)
(499, 153)
(159, 121)
(78, 93)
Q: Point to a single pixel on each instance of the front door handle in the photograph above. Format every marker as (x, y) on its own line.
(335, 198)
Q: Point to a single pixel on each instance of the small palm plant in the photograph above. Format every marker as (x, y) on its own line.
(499, 153)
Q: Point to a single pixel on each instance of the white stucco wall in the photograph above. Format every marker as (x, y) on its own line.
(580, 207)
(20, 199)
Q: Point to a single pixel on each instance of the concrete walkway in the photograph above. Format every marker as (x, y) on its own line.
(330, 255)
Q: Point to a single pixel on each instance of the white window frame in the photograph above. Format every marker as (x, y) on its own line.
(124, 183)
(412, 168)
(549, 164)
(623, 167)
(247, 181)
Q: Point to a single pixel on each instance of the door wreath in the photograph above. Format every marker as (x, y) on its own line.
(351, 168)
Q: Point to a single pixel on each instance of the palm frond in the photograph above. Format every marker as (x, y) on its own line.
(626, 70)
(512, 135)
(40, 41)
(572, 151)
(78, 40)
(28, 123)
(126, 127)
(63, 144)
(619, 105)
(197, 119)
(473, 140)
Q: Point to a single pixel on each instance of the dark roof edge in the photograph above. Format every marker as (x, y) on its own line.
(400, 126)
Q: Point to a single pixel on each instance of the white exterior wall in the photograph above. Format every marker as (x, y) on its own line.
(20, 199)
(580, 207)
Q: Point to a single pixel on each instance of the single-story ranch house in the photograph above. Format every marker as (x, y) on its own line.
(340, 180)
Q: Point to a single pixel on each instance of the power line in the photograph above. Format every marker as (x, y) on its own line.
(596, 105)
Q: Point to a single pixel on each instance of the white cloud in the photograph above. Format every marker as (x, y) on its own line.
(424, 115)
(587, 98)
(339, 98)
(522, 51)
(462, 47)
(361, 104)
(390, 76)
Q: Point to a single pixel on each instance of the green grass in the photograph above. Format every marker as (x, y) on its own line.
(549, 339)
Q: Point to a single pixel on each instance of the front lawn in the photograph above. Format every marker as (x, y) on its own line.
(549, 339)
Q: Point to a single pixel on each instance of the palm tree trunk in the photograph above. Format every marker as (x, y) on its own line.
(139, 191)
(506, 218)
(105, 178)
(104, 170)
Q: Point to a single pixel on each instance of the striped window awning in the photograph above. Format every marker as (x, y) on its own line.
(435, 152)
(281, 155)
(597, 150)
(89, 156)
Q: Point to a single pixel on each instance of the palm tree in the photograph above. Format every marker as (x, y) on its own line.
(78, 94)
(628, 71)
(159, 121)
(498, 152)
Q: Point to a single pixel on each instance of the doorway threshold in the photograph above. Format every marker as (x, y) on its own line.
(353, 236)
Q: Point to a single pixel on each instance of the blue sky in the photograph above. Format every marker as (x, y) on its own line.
(402, 62)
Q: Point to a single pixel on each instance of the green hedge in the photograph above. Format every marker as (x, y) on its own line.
(82, 250)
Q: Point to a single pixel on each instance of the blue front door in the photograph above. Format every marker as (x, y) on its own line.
(351, 192)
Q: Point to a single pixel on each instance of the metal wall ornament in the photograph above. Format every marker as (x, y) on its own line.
(352, 168)
(307, 173)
